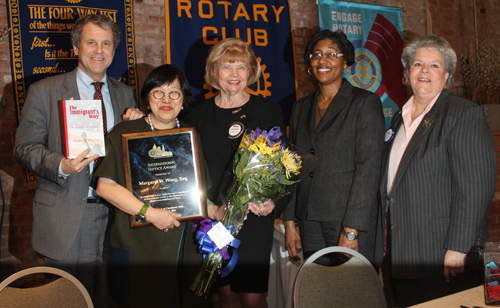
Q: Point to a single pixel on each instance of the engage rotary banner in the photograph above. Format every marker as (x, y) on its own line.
(377, 34)
(193, 27)
(40, 43)
(40, 34)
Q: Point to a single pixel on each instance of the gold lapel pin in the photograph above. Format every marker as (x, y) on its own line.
(427, 122)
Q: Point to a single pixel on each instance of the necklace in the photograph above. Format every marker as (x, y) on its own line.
(177, 123)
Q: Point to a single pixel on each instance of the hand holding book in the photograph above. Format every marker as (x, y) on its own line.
(82, 123)
(77, 164)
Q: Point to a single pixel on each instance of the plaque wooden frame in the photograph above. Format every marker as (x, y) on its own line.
(160, 149)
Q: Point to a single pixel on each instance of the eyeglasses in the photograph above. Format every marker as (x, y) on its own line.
(159, 94)
(329, 56)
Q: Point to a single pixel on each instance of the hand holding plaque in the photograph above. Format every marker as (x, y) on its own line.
(162, 168)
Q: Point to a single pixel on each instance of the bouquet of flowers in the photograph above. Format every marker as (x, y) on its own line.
(263, 168)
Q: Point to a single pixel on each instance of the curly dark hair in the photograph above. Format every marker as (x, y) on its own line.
(339, 38)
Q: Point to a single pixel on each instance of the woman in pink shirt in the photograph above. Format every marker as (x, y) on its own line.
(437, 181)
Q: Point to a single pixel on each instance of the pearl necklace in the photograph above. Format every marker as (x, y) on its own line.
(177, 123)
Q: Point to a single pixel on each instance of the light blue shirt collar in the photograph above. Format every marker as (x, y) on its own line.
(83, 79)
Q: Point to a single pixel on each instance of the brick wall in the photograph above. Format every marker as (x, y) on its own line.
(16, 251)
(494, 214)
(451, 19)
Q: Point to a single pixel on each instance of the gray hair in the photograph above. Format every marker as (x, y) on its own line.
(102, 21)
(431, 42)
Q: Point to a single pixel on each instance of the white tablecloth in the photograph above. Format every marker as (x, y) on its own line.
(282, 272)
(469, 298)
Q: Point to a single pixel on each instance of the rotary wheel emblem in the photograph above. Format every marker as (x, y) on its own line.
(210, 90)
(365, 72)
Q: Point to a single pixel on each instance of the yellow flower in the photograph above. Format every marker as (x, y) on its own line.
(245, 141)
(289, 162)
(260, 146)
(261, 139)
(276, 149)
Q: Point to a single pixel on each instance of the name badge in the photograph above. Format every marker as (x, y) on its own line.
(389, 134)
(235, 130)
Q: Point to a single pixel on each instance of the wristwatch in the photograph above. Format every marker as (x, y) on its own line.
(350, 236)
(141, 216)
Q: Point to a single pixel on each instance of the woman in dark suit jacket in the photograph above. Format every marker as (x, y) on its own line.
(438, 180)
(342, 127)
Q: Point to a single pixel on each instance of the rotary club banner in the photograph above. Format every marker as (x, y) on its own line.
(40, 42)
(377, 34)
(193, 27)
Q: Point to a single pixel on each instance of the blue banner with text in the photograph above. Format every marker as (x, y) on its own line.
(40, 34)
(377, 34)
(193, 27)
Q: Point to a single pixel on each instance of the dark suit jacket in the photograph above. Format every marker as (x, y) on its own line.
(59, 204)
(442, 190)
(347, 144)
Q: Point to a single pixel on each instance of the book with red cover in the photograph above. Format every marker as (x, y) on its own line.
(82, 127)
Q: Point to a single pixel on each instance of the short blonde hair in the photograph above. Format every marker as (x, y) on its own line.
(231, 50)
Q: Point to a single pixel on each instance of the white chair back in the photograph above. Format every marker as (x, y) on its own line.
(63, 292)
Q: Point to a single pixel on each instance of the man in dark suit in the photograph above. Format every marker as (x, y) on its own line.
(69, 223)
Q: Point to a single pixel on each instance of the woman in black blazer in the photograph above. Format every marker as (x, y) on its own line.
(439, 175)
(343, 128)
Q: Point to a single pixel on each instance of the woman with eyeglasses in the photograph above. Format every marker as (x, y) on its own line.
(150, 267)
(342, 126)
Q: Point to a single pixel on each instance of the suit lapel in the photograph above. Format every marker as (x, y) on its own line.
(396, 125)
(421, 134)
(339, 102)
(311, 120)
(114, 94)
(71, 86)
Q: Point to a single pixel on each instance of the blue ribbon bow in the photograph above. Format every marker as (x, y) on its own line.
(207, 246)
